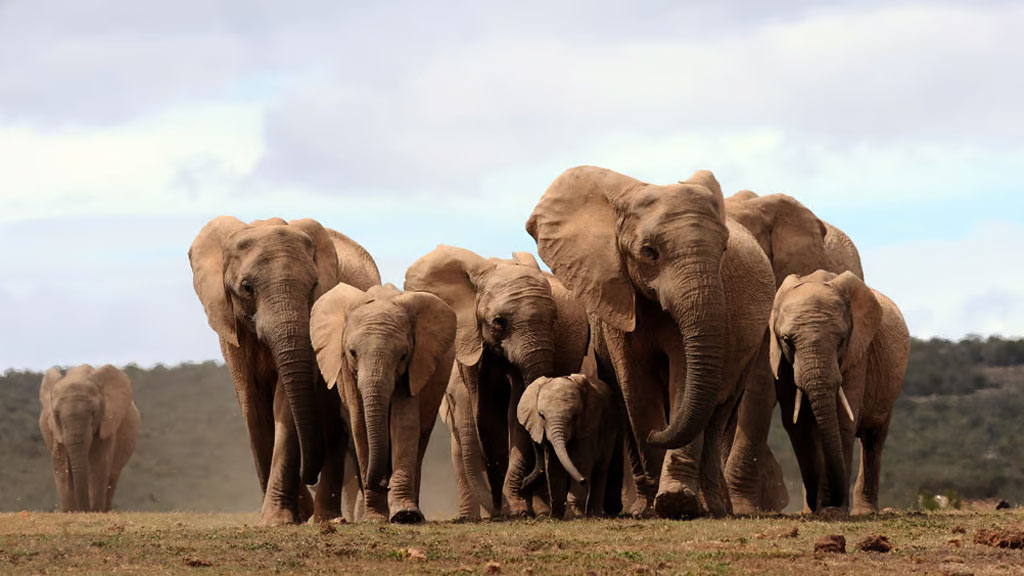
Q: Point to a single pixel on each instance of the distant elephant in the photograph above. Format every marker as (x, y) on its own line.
(796, 242)
(391, 355)
(90, 423)
(576, 422)
(257, 283)
(845, 347)
(515, 324)
(679, 294)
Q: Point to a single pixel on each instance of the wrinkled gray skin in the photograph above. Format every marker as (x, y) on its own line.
(515, 324)
(796, 242)
(833, 338)
(390, 355)
(679, 295)
(575, 421)
(90, 424)
(257, 283)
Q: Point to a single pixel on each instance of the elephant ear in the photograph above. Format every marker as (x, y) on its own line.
(355, 265)
(525, 259)
(117, 398)
(706, 179)
(325, 257)
(527, 410)
(327, 328)
(207, 260)
(453, 274)
(435, 325)
(774, 350)
(50, 378)
(574, 225)
(741, 196)
(865, 315)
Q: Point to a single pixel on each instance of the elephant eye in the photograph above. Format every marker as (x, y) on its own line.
(352, 353)
(499, 323)
(541, 414)
(404, 356)
(649, 254)
(787, 341)
(247, 288)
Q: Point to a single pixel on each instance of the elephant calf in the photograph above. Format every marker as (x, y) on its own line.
(390, 354)
(90, 423)
(845, 347)
(576, 422)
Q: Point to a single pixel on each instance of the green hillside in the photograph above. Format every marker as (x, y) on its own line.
(958, 426)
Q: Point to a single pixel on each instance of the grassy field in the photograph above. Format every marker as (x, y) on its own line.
(176, 543)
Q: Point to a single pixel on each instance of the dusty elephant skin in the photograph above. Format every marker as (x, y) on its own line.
(390, 355)
(90, 424)
(795, 242)
(844, 347)
(575, 421)
(514, 325)
(257, 283)
(679, 295)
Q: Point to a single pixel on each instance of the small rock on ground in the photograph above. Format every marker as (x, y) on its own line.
(834, 544)
(875, 543)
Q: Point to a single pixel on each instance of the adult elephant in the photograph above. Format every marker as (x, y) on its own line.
(390, 355)
(680, 295)
(257, 283)
(514, 324)
(796, 241)
(90, 424)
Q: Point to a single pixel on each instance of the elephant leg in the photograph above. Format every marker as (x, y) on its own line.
(469, 508)
(866, 492)
(520, 460)
(612, 476)
(751, 490)
(350, 488)
(712, 480)
(558, 483)
(679, 487)
(62, 478)
(327, 502)
(405, 441)
(257, 404)
(100, 459)
(281, 502)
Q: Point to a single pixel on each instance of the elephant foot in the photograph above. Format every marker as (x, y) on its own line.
(407, 516)
(306, 505)
(516, 508)
(677, 504)
(274, 516)
(374, 516)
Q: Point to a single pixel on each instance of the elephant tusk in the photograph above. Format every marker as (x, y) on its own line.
(846, 404)
(796, 405)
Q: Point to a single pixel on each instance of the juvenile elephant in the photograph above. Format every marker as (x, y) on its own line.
(576, 421)
(680, 294)
(391, 355)
(796, 242)
(90, 423)
(514, 325)
(845, 347)
(257, 283)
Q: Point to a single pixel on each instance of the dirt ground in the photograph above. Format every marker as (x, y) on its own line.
(180, 543)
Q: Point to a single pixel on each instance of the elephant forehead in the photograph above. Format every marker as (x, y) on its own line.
(518, 282)
(559, 391)
(666, 202)
(378, 316)
(256, 237)
(814, 303)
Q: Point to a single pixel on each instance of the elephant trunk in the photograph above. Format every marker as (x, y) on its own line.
(823, 404)
(78, 457)
(537, 362)
(376, 396)
(697, 304)
(290, 345)
(557, 437)
(529, 483)
(473, 462)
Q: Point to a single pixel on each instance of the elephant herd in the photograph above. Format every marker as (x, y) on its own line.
(647, 363)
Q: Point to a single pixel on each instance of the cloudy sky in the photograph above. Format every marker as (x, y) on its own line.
(125, 126)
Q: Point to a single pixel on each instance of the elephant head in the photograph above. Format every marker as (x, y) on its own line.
(790, 234)
(79, 407)
(611, 238)
(378, 341)
(821, 325)
(560, 410)
(262, 279)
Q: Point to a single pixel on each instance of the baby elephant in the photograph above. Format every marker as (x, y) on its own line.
(90, 423)
(845, 347)
(575, 420)
(390, 354)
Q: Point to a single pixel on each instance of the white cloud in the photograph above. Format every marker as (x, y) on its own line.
(949, 288)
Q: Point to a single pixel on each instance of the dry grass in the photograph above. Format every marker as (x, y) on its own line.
(146, 543)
